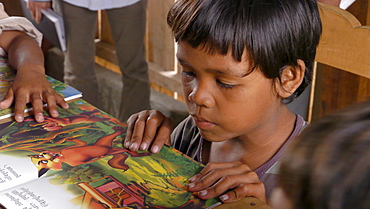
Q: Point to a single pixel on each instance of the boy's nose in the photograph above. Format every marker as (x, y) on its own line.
(201, 95)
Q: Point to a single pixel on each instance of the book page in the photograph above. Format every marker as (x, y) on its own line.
(15, 171)
(82, 153)
(38, 194)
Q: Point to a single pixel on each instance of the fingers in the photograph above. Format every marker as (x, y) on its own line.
(38, 98)
(148, 129)
(21, 99)
(8, 99)
(256, 190)
(163, 136)
(19, 107)
(35, 9)
(51, 102)
(232, 181)
(53, 99)
(38, 108)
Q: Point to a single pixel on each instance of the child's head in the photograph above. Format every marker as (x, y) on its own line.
(328, 166)
(271, 34)
(240, 58)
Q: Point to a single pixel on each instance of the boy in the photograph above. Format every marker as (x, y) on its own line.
(18, 42)
(328, 165)
(242, 62)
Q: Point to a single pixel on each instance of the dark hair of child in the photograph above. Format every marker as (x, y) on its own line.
(274, 33)
(328, 166)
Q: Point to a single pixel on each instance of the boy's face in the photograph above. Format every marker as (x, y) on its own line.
(223, 100)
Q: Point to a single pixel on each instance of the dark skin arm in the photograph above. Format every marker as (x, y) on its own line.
(30, 84)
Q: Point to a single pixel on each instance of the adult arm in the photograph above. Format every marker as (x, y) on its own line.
(30, 84)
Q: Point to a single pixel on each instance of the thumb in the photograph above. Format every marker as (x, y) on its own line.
(8, 99)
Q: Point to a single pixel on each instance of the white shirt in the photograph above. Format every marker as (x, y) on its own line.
(19, 24)
(95, 5)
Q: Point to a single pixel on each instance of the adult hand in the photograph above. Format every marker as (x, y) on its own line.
(32, 88)
(232, 180)
(30, 84)
(148, 129)
(35, 8)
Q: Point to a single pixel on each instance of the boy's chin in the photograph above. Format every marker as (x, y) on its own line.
(212, 136)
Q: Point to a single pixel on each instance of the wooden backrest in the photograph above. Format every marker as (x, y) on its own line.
(344, 49)
(345, 43)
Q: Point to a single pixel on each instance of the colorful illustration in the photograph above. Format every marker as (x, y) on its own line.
(7, 75)
(81, 153)
(108, 192)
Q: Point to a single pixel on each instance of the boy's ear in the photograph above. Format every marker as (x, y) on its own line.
(291, 79)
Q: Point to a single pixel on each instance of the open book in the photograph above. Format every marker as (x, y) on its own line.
(51, 25)
(78, 161)
(7, 75)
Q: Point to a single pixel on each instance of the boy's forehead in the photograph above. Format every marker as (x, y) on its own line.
(213, 62)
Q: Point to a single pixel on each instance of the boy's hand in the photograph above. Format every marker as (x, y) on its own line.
(234, 178)
(148, 129)
(32, 88)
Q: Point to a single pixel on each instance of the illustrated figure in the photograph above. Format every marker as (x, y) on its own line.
(81, 153)
(54, 124)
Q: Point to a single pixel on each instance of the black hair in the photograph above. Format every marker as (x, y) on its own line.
(328, 165)
(274, 33)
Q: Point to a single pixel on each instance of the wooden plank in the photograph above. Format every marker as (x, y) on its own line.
(246, 203)
(334, 48)
(343, 78)
(160, 44)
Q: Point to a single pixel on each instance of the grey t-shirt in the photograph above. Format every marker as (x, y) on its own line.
(187, 139)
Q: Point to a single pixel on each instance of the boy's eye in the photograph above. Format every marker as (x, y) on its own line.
(188, 73)
(224, 85)
(187, 76)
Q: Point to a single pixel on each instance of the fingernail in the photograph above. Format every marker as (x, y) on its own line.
(192, 179)
(54, 113)
(18, 118)
(203, 193)
(127, 144)
(144, 146)
(133, 146)
(191, 185)
(155, 149)
(40, 117)
(224, 197)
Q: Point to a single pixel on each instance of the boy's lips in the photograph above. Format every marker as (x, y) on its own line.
(203, 123)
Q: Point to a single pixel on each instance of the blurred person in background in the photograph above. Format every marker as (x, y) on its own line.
(127, 19)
